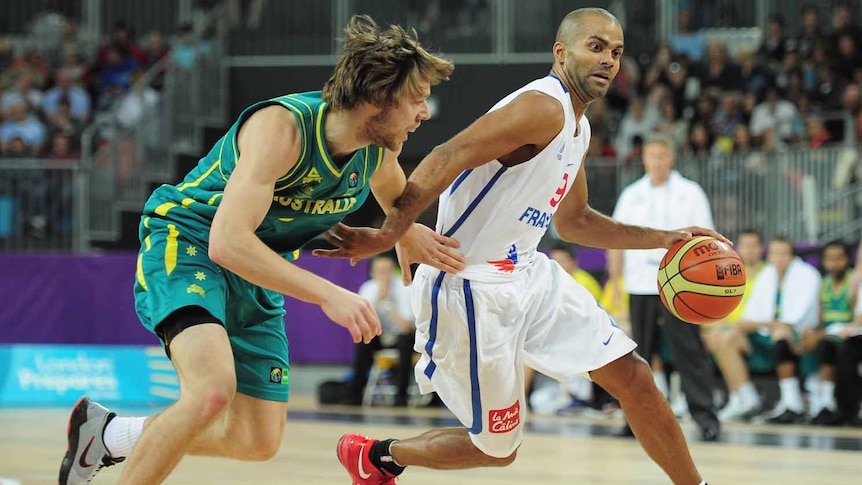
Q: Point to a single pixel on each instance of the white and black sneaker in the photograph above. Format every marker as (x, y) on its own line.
(86, 454)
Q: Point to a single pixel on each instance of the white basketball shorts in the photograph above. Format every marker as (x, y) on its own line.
(475, 338)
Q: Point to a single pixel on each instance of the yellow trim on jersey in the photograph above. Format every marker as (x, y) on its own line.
(379, 158)
(319, 131)
(214, 198)
(187, 202)
(365, 167)
(296, 166)
(147, 243)
(171, 249)
(163, 209)
(140, 272)
(216, 164)
(147, 222)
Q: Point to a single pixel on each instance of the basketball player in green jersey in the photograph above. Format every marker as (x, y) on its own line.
(214, 261)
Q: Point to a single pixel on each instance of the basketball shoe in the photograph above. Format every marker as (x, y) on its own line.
(86, 453)
(353, 452)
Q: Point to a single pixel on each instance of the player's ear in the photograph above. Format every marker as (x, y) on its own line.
(559, 51)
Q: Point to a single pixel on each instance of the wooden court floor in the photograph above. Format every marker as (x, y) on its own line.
(556, 450)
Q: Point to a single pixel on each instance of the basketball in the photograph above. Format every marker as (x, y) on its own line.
(701, 280)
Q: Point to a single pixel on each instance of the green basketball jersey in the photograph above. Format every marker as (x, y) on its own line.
(835, 300)
(312, 197)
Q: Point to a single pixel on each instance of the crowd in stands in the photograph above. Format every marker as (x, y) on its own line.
(794, 91)
(48, 95)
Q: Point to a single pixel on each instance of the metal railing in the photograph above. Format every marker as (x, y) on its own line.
(806, 195)
(123, 159)
(41, 206)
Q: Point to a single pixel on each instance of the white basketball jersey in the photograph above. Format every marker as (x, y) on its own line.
(499, 214)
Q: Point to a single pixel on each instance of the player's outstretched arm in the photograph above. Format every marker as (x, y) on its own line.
(269, 144)
(531, 119)
(420, 244)
(579, 223)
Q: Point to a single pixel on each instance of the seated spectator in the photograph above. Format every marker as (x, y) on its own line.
(36, 65)
(62, 148)
(687, 41)
(637, 121)
(156, 50)
(79, 100)
(392, 301)
(21, 124)
(720, 336)
(774, 44)
(810, 37)
(566, 257)
(816, 132)
(15, 148)
(22, 90)
(114, 78)
(782, 305)
(63, 122)
(136, 102)
(776, 114)
(845, 61)
(837, 301)
(719, 71)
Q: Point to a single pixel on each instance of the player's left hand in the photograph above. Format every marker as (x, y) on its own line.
(354, 243)
(672, 237)
(420, 244)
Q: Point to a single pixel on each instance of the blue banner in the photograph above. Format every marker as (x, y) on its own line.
(57, 375)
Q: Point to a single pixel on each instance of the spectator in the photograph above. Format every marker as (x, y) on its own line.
(774, 44)
(837, 301)
(21, 124)
(687, 41)
(783, 304)
(637, 121)
(671, 124)
(719, 71)
(156, 50)
(664, 199)
(723, 336)
(846, 59)
(15, 148)
(756, 78)
(810, 37)
(816, 132)
(62, 121)
(137, 102)
(566, 257)
(21, 91)
(61, 148)
(842, 24)
(36, 65)
(114, 79)
(776, 114)
(69, 41)
(120, 44)
(79, 100)
(392, 302)
(699, 141)
(7, 57)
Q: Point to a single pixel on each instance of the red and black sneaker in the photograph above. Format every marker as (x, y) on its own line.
(353, 452)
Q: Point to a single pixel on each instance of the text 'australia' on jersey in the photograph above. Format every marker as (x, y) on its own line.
(499, 214)
(315, 195)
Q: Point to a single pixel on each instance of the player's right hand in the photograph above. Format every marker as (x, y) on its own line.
(354, 313)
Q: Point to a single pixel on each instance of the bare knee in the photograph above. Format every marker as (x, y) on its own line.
(209, 400)
(627, 379)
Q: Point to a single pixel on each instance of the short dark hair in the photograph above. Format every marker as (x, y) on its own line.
(752, 232)
(835, 244)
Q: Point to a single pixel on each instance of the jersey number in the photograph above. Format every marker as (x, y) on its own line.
(561, 191)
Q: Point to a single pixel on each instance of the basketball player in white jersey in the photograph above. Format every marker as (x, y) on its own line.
(501, 182)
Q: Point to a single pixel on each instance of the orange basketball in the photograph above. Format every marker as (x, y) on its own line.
(701, 280)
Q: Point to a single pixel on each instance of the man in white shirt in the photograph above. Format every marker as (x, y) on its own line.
(391, 300)
(663, 199)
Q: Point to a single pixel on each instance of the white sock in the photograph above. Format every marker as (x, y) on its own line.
(791, 396)
(826, 396)
(748, 395)
(121, 434)
(661, 382)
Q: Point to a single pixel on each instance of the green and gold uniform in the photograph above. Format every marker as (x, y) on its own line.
(174, 271)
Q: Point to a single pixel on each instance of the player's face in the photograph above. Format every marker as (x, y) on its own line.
(593, 61)
(749, 248)
(392, 125)
(780, 254)
(835, 260)
(658, 161)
